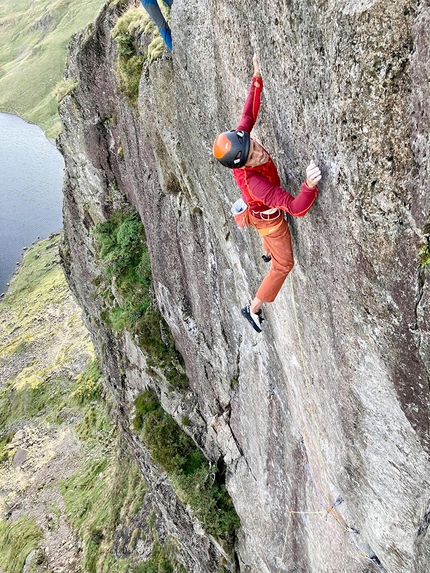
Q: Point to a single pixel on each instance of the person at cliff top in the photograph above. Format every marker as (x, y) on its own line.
(257, 176)
(151, 6)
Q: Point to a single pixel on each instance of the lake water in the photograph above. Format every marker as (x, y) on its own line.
(31, 174)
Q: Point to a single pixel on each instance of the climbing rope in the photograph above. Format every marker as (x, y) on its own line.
(331, 509)
(308, 391)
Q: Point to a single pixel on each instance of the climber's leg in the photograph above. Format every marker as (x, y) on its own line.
(281, 250)
(154, 11)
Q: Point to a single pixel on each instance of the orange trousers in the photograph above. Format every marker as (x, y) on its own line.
(278, 244)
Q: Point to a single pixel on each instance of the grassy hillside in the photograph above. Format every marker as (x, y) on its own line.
(33, 40)
(71, 496)
(66, 482)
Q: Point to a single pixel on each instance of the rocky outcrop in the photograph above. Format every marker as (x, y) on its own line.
(323, 420)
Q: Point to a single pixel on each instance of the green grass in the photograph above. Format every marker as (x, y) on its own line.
(25, 401)
(33, 43)
(38, 395)
(64, 88)
(37, 291)
(196, 483)
(17, 540)
(39, 282)
(88, 384)
(109, 491)
(129, 71)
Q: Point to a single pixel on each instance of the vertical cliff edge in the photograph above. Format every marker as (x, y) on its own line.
(320, 424)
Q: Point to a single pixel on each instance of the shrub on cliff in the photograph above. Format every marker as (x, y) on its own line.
(196, 483)
(125, 288)
(122, 250)
(424, 255)
(129, 72)
(129, 26)
(64, 88)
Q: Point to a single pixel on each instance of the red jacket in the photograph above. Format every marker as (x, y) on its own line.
(261, 186)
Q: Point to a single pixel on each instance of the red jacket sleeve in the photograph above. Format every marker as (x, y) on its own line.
(252, 105)
(261, 189)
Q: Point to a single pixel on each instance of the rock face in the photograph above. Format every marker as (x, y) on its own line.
(331, 402)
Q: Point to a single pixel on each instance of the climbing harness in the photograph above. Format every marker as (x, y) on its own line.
(270, 230)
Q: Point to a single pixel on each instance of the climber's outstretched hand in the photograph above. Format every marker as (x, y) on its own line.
(256, 68)
(313, 175)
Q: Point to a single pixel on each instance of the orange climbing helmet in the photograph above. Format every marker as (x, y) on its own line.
(231, 148)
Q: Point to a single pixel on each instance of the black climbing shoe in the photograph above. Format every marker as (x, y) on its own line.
(254, 319)
(266, 259)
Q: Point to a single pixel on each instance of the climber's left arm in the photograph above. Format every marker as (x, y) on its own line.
(252, 103)
(261, 189)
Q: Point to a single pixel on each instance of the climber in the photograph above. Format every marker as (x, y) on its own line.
(257, 177)
(151, 6)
